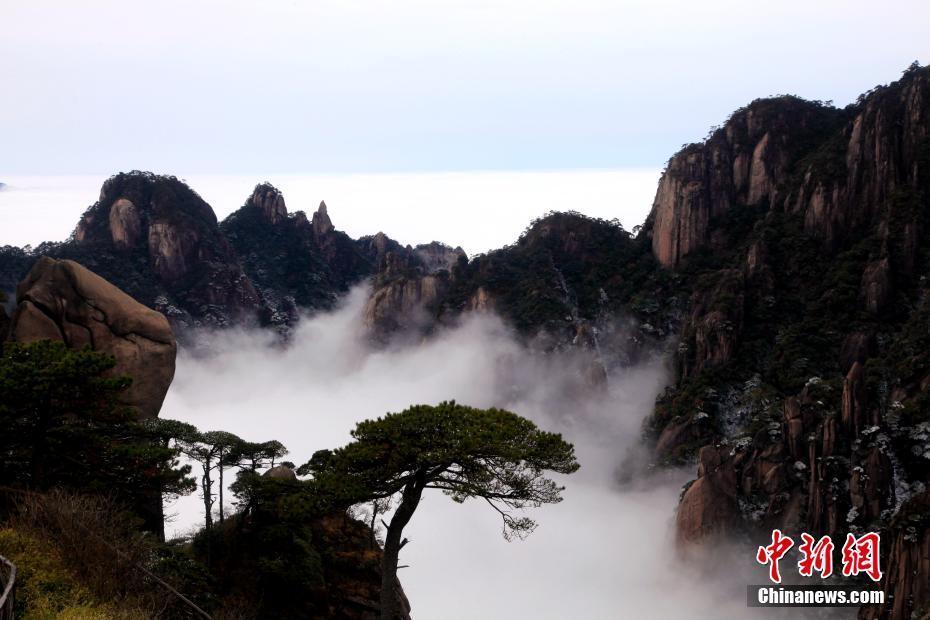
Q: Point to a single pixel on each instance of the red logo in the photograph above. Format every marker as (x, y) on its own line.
(816, 557)
(773, 553)
(859, 555)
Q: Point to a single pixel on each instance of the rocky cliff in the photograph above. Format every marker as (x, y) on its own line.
(563, 280)
(786, 257)
(743, 164)
(294, 263)
(159, 241)
(799, 231)
(410, 284)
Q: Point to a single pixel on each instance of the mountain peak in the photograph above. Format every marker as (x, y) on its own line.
(270, 201)
(322, 225)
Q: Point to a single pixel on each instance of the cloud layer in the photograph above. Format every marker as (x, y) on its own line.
(477, 210)
(604, 552)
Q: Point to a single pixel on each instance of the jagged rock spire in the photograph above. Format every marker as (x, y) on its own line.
(322, 225)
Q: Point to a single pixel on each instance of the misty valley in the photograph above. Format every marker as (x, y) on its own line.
(262, 416)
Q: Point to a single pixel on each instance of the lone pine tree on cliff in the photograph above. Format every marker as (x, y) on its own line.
(491, 454)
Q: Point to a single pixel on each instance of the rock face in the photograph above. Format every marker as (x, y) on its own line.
(409, 287)
(712, 332)
(876, 285)
(62, 300)
(294, 263)
(879, 147)
(354, 578)
(802, 366)
(759, 159)
(404, 303)
(322, 225)
(270, 202)
(159, 241)
(708, 505)
(125, 225)
(437, 256)
(561, 284)
(740, 165)
(907, 570)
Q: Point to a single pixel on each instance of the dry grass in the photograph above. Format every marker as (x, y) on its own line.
(47, 589)
(101, 548)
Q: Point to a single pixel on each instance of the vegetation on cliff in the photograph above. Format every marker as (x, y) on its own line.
(788, 252)
(801, 377)
(79, 471)
(464, 452)
(62, 426)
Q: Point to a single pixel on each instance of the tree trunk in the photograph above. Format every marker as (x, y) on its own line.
(221, 488)
(207, 485)
(392, 543)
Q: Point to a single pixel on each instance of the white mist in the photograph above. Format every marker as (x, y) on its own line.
(603, 552)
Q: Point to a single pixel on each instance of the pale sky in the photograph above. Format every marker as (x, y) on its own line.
(343, 86)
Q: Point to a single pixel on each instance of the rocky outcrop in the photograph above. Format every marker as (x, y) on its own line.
(269, 201)
(876, 285)
(378, 247)
(159, 241)
(840, 170)
(857, 347)
(62, 300)
(295, 263)
(741, 165)
(567, 276)
(802, 357)
(708, 506)
(814, 302)
(481, 301)
(125, 225)
(437, 256)
(4, 321)
(410, 285)
(712, 331)
(854, 411)
(879, 148)
(346, 262)
(906, 581)
(281, 472)
(674, 437)
(282, 563)
(404, 304)
(803, 473)
(322, 225)
(353, 574)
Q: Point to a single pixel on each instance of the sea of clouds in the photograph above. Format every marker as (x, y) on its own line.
(606, 551)
(478, 210)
